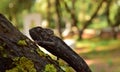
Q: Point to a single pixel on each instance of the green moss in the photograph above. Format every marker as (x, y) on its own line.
(3, 44)
(69, 69)
(40, 52)
(5, 55)
(32, 51)
(1, 48)
(22, 42)
(13, 70)
(16, 58)
(50, 68)
(23, 65)
(11, 50)
(3, 52)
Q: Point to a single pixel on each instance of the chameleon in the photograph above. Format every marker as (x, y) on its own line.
(46, 38)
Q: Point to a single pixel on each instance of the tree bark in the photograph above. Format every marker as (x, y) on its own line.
(74, 20)
(117, 17)
(58, 18)
(19, 53)
(48, 12)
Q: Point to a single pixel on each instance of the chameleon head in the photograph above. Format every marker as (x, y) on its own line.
(49, 32)
(34, 33)
(39, 33)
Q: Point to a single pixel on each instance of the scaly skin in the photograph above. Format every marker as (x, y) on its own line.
(46, 39)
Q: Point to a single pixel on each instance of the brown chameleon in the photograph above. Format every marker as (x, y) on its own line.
(45, 38)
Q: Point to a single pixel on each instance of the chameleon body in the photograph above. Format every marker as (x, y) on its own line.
(46, 39)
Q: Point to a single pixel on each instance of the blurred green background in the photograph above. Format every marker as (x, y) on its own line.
(90, 27)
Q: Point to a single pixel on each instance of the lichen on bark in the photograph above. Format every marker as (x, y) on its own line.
(50, 68)
(23, 65)
(22, 42)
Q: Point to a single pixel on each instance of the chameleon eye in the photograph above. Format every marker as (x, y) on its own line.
(49, 31)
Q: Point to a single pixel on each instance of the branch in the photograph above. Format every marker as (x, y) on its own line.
(87, 23)
(20, 53)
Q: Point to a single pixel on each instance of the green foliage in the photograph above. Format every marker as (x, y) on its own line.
(84, 9)
(15, 6)
(50, 68)
(22, 42)
(110, 62)
(3, 5)
(13, 9)
(23, 65)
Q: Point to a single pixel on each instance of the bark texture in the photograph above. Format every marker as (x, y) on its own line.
(19, 53)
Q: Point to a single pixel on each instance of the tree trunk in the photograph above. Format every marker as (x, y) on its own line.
(48, 12)
(74, 20)
(87, 23)
(58, 18)
(18, 53)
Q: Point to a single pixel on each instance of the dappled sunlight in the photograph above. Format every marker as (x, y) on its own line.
(103, 58)
(105, 65)
(99, 45)
(82, 50)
